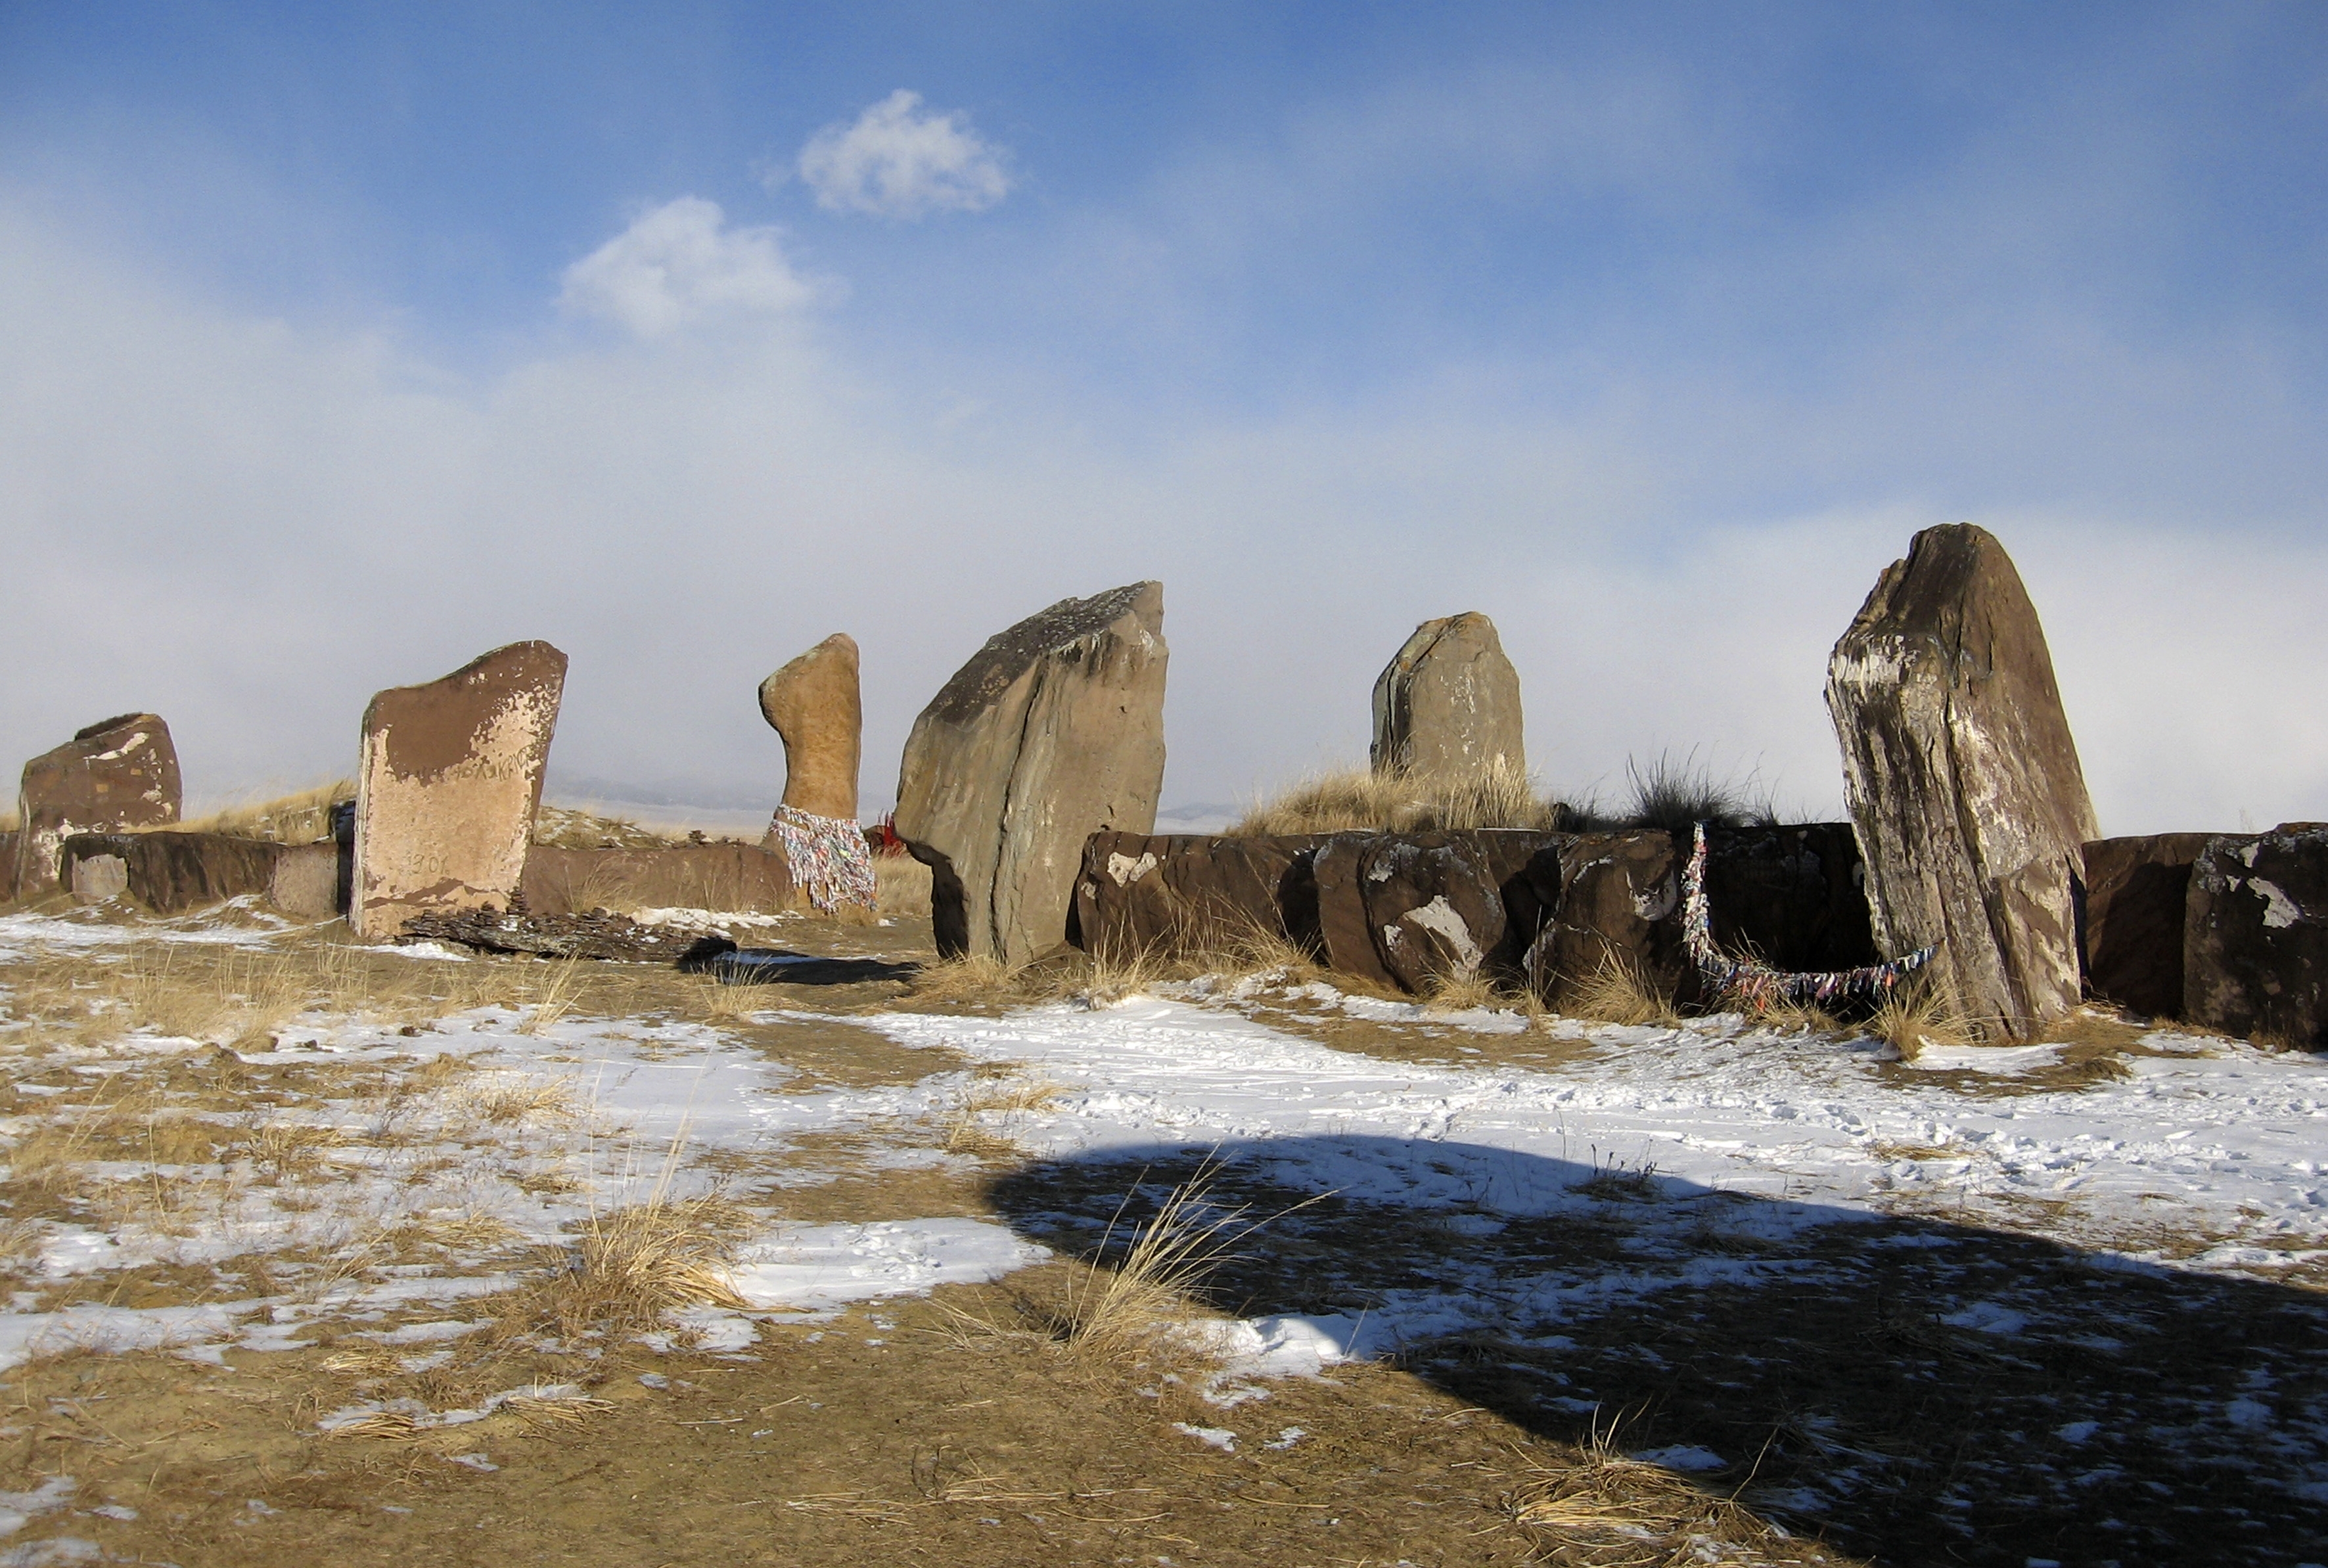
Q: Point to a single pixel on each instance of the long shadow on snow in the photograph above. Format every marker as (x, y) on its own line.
(1916, 1390)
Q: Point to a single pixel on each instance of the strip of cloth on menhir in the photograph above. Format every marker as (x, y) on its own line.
(1761, 985)
(828, 858)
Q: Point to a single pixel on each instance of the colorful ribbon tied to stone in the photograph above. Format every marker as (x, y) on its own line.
(1759, 985)
(828, 858)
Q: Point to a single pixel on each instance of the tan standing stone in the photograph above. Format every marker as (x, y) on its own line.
(813, 704)
(447, 785)
(1449, 702)
(1053, 731)
(120, 773)
(1963, 780)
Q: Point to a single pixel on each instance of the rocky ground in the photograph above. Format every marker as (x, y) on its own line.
(322, 1251)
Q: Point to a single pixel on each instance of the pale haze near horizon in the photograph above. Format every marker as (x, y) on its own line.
(336, 353)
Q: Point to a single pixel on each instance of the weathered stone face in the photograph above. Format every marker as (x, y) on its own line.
(1169, 895)
(1449, 702)
(2131, 921)
(1452, 904)
(1054, 731)
(121, 773)
(812, 702)
(1963, 780)
(447, 784)
(1619, 904)
(2255, 936)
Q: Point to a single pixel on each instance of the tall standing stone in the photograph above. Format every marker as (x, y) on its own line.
(813, 704)
(1450, 703)
(447, 785)
(120, 773)
(1053, 731)
(1963, 780)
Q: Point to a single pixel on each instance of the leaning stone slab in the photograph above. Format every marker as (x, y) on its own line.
(724, 878)
(1053, 731)
(2255, 937)
(815, 706)
(120, 773)
(1449, 702)
(447, 785)
(1963, 779)
(170, 873)
(2131, 920)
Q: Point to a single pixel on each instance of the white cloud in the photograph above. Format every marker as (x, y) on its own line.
(677, 264)
(895, 163)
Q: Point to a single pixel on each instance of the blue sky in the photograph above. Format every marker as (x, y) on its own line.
(339, 344)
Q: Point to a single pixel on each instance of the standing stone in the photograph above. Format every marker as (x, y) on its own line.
(2255, 937)
(1963, 780)
(447, 785)
(813, 704)
(121, 773)
(1450, 703)
(1053, 731)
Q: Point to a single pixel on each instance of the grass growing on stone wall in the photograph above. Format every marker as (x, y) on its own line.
(1352, 799)
(302, 816)
(571, 827)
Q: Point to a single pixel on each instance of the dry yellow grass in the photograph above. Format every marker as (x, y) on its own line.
(1618, 992)
(636, 1264)
(1110, 1311)
(1613, 1511)
(1917, 1013)
(1359, 798)
(301, 816)
(905, 885)
(571, 827)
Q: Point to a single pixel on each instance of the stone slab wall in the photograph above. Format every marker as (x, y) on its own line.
(2130, 917)
(2255, 936)
(170, 873)
(725, 878)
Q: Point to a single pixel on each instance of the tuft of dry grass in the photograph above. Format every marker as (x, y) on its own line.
(504, 1098)
(1108, 1313)
(302, 816)
(1361, 799)
(967, 1133)
(636, 1264)
(1613, 1511)
(1918, 1012)
(556, 997)
(1619, 992)
(1789, 1017)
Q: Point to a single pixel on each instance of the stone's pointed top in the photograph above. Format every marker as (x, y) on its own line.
(1008, 655)
(1449, 702)
(1963, 779)
(813, 703)
(119, 722)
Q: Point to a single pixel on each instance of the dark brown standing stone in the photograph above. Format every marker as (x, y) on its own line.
(2255, 937)
(1053, 731)
(1449, 702)
(169, 873)
(814, 704)
(1963, 779)
(121, 773)
(723, 878)
(448, 784)
(2131, 917)
(1345, 926)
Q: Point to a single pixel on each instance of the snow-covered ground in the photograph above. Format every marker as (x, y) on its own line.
(2207, 1156)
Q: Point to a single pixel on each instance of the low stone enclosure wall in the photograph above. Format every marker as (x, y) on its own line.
(2228, 932)
(170, 873)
